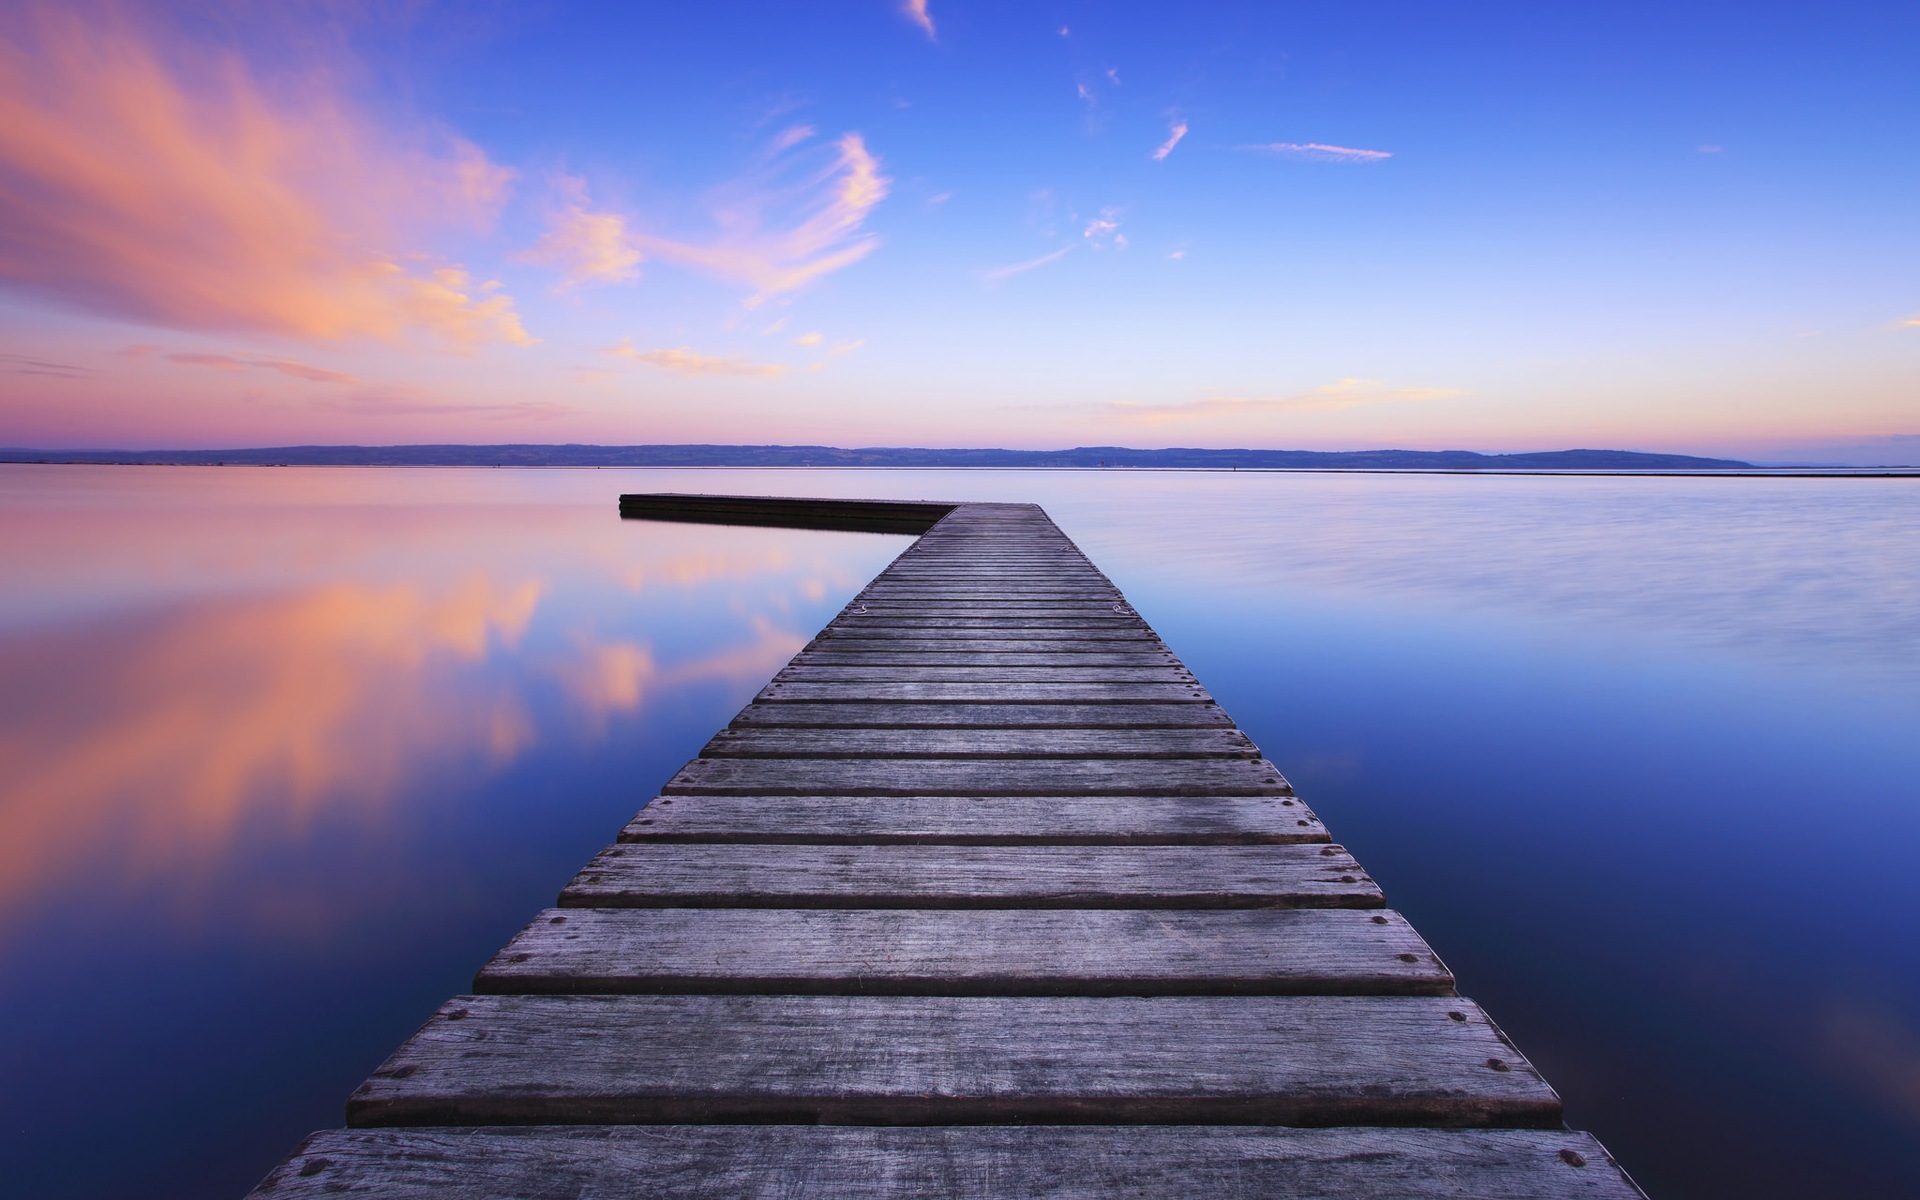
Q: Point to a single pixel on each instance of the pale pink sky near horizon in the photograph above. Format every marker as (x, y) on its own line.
(242, 228)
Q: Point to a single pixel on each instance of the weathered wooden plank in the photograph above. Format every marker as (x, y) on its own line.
(687, 875)
(978, 820)
(808, 673)
(980, 743)
(999, 591)
(975, 625)
(983, 716)
(980, 1162)
(1045, 642)
(984, 693)
(1077, 660)
(976, 777)
(904, 1060)
(922, 952)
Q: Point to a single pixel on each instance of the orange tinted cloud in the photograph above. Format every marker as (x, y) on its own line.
(146, 178)
(588, 246)
(167, 741)
(685, 362)
(286, 366)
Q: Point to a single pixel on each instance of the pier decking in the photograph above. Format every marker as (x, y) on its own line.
(982, 895)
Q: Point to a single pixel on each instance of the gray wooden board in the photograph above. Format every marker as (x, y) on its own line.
(875, 626)
(695, 875)
(830, 655)
(985, 693)
(976, 777)
(984, 716)
(1041, 642)
(910, 1060)
(981, 1162)
(932, 952)
(999, 592)
(807, 673)
(978, 820)
(980, 743)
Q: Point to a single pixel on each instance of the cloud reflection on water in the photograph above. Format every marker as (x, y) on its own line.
(154, 744)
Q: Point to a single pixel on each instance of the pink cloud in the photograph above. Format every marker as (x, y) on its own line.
(150, 179)
(1178, 131)
(916, 11)
(788, 226)
(683, 361)
(286, 366)
(1319, 152)
(588, 247)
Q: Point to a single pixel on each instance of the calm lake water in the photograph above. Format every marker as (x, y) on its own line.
(286, 754)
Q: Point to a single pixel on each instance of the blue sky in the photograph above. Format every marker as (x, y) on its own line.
(1489, 226)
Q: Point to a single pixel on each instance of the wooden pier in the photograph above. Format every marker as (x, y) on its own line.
(982, 895)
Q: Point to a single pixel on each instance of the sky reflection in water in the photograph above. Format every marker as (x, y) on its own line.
(291, 752)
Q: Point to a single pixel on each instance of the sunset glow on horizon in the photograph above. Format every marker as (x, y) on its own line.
(941, 223)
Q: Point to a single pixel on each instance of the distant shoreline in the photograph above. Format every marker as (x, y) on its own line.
(1748, 472)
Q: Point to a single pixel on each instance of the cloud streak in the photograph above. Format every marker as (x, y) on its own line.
(1333, 397)
(797, 219)
(683, 361)
(1178, 131)
(916, 11)
(1318, 152)
(286, 366)
(145, 179)
(1002, 274)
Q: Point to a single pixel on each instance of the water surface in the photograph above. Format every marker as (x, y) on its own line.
(288, 753)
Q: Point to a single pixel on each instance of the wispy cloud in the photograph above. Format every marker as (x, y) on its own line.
(1912, 322)
(808, 339)
(797, 220)
(1174, 134)
(683, 361)
(152, 180)
(1708, 148)
(840, 348)
(587, 246)
(1103, 232)
(1332, 397)
(20, 364)
(1318, 152)
(1002, 274)
(243, 362)
(916, 11)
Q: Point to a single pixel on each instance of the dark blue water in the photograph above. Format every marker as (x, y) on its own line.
(287, 754)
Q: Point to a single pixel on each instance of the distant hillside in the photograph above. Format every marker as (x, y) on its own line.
(885, 456)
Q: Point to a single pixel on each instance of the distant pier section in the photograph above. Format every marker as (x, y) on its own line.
(982, 895)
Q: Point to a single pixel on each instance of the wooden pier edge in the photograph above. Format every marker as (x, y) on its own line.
(982, 895)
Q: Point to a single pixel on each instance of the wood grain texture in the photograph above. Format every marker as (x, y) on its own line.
(919, 952)
(988, 1162)
(749, 875)
(977, 777)
(856, 622)
(911, 1060)
(1047, 692)
(996, 673)
(980, 743)
(1079, 659)
(978, 820)
(875, 715)
(1058, 642)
